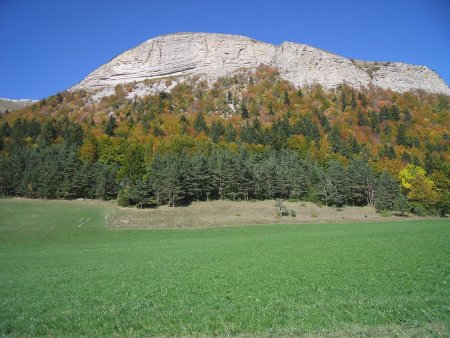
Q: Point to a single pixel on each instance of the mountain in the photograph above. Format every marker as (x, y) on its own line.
(192, 134)
(210, 56)
(9, 104)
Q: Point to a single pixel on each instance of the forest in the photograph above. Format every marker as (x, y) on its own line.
(250, 136)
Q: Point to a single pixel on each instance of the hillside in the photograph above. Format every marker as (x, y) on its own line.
(210, 56)
(249, 136)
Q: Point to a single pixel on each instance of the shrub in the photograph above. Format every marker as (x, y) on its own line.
(314, 214)
(418, 209)
(282, 210)
(123, 198)
(292, 212)
(385, 213)
(401, 204)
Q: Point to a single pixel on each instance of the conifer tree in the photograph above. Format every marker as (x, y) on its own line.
(200, 124)
(387, 190)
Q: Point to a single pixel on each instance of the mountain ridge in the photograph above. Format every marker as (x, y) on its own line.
(14, 104)
(214, 55)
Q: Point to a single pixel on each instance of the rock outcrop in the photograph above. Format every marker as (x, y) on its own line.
(217, 55)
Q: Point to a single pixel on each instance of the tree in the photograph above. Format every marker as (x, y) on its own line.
(343, 101)
(88, 152)
(335, 139)
(105, 181)
(217, 130)
(200, 124)
(401, 138)
(140, 193)
(401, 204)
(334, 184)
(287, 102)
(230, 133)
(184, 124)
(408, 174)
(244, 110)
(362, 119)
(48, 133)
(353, 101)
(386, 192)
(168, 181)
(110, 126)
(132, 162)
(423, 191)
(361, 183)
(271, 111)
(73, 134)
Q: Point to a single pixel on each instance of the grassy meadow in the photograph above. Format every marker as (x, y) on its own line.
(64, 273)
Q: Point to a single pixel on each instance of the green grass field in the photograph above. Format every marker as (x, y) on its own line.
(63, 273)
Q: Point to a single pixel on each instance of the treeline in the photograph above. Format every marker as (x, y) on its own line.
(56, 171)
(178, 179)
(182, 172)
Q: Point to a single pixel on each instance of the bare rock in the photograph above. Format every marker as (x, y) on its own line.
(211, 56)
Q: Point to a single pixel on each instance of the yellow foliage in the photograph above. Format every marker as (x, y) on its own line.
(88, 151)
(409, 173)
(298, 143)
(423, 190)
(393, 166)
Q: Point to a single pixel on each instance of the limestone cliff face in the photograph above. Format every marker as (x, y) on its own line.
(217, 55)
(305, 65)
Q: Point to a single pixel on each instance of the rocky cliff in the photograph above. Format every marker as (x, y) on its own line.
(217, 55)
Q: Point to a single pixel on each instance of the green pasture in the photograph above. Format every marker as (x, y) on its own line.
(62, 273)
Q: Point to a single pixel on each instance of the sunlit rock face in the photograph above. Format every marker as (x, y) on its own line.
(216, 55)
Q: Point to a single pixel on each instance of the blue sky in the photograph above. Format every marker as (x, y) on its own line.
(47, 46)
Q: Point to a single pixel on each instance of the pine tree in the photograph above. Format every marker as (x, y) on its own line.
(401, 138)
(334, 184)
(343, 101)
(167, 179)
(48, 134)
(184, 124)
(353, 101)
(361, 182)
(217, 130)
(386, 192)
(287, 102)
(244, 111)
(110, 126)
(362, 119)
(401, 204)
(200, 124)
(230, 133)
(140, 193)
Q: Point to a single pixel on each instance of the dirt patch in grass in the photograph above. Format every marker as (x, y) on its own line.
(229, 213)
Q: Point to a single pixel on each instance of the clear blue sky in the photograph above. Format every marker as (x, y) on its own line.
(47, 46)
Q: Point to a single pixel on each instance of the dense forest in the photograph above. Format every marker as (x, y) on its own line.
(250, 136)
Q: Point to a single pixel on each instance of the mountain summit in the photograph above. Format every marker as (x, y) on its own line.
(216, 55)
